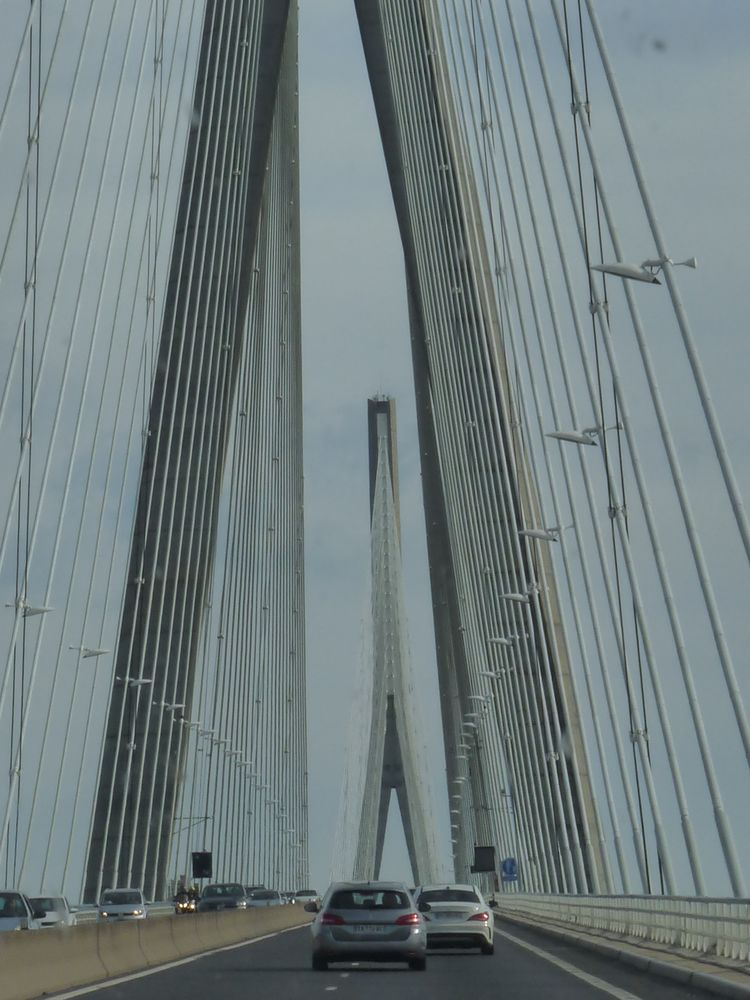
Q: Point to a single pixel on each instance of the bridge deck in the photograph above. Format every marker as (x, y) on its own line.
(524, 965)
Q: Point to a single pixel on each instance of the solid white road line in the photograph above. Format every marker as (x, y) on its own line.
(104, 984)
(599, 984)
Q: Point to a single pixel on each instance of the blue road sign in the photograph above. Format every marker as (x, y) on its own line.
(509, 870)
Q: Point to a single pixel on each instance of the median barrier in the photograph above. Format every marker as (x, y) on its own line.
(55, 959)
(119, 946)
(214, 929)
(185, 934)
(157, 942)
(37, 962)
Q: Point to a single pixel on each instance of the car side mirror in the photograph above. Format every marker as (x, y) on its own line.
(424, 907)
(311, 907)
(39, 914)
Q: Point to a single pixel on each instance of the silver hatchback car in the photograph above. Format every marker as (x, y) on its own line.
(367, 922)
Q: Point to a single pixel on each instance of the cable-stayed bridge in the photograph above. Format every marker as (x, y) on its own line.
(584, 576)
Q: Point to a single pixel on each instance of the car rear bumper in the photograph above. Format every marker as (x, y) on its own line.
(459, 936)
(414, 946)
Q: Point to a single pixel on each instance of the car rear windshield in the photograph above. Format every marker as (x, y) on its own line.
(265, 894)
(306, 892)
(122, 897)
(355, 899)
(448, 896)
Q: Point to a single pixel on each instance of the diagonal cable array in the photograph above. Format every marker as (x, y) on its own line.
(512, 786)
(245, 792)
(84, 295)
(240, 170)
(580, 604)
(149, 269)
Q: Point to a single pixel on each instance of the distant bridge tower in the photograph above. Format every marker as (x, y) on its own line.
(392, 757)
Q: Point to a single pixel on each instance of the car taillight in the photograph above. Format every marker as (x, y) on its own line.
(480, 916)
(332, 918)
(409, 918)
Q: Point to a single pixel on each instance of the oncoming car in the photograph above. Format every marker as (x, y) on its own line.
(307, 896)
(57, 911)
(367, 922)
(265, 897)
(18, 913)
(222, 896)
(122, 904)
(456, 916)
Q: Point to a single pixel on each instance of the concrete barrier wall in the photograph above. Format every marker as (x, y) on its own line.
(50, 960)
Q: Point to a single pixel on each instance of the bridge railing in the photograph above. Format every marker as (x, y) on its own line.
(718, 927)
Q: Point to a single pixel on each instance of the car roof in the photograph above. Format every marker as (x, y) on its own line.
(372, 886)
(448, 885)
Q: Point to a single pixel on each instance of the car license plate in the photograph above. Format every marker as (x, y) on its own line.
(370, 928)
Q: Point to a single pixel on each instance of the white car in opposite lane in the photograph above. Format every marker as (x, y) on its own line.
(265, 897)
(121, 904)
(18, 913)
(456, 916)
(57, 911)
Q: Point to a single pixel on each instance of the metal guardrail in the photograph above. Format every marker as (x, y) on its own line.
(718, 927)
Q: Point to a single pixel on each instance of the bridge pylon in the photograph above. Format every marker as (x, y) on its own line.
(392, 764)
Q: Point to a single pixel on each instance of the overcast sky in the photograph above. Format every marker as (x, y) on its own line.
(683, 69)
(356, 344)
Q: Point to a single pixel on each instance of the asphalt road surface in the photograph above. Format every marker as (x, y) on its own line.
(525, 965)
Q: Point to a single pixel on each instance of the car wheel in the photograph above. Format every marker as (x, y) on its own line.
(487, 948)
(417, 964)
(319, 964)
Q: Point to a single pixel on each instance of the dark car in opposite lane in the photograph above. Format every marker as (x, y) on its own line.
(222, 896)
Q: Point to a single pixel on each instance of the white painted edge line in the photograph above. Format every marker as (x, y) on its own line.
(105, 984)
(663, 969)
(573, 970)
